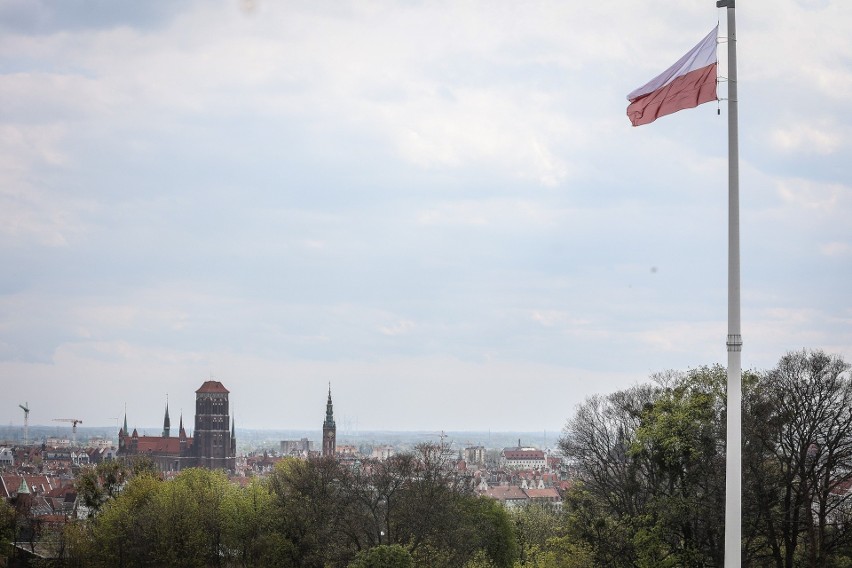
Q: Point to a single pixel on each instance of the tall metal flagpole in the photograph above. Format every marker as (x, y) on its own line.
(733, 450)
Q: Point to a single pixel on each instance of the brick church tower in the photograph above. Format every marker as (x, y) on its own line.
(213, 443)
(329, 430)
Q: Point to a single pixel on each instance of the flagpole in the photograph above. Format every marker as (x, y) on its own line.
(733, 447)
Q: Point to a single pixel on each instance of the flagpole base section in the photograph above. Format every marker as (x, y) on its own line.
(735, 343)
(733, 460)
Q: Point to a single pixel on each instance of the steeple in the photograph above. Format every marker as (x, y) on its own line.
(125, 430)
(329, 411)
(166, 422)
(182, 439)
(329, 430)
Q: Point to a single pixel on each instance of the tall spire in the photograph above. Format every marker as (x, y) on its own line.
(166, 422)
(329, 430)
(181, 431)
(125, 430)
(329, 411)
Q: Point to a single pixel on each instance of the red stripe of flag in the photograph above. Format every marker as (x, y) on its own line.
(688, 83)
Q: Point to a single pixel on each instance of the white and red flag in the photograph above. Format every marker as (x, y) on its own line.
(686, 84)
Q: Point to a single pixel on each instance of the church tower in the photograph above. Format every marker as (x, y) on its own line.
(167, 424)
(123, 434)
(329, 430)
(182, 439)
(213, 445)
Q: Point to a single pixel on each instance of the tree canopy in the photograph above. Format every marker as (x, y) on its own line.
(648, 490)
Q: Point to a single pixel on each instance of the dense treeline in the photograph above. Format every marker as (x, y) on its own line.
(649, 491)
(651, 460)
(314, 513)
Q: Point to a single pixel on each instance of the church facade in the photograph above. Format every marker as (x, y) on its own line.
(213, 444)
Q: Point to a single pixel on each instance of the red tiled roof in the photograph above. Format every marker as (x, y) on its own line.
(158, 444)
(546, 493)
(506, 493)
(523, 454)
(9, 484)
(61, 492)
(212, 386)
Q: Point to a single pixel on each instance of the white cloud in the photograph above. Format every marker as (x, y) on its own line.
(401, 327)
(808, 138)
(438, 202)
(501, 214)
(826, 198)
(552, 318)
(836, 248)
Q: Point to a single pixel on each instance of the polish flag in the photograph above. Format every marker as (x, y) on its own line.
(686, 84)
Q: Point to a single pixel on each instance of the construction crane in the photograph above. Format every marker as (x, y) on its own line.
(26, 408)
(442, 435)
(74, 422)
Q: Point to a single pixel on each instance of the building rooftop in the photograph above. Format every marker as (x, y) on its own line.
(212, 386)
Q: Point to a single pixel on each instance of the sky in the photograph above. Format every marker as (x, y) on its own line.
(439, 208)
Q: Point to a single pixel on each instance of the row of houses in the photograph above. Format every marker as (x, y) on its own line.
(12, 457)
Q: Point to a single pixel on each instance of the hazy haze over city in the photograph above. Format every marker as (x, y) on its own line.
(439, 207)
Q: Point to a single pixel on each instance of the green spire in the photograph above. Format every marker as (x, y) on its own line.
(329, 411)
(24, 488)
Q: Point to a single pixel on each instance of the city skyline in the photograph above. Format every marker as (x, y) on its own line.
(441, 209)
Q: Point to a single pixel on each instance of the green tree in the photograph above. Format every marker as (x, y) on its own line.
(327, 514)
(7, 523)
(426, 511)
(651, 462)
(247, 514)
(383, 556)
(604, 535)
(178, 536)
(534, 524)
(95, 485)
(564, 552)
(679, 442)
(124, 528)
(142, 465)
(494, 533)
(310, 504)
(207, 489)
(79, 546)
(800, 417)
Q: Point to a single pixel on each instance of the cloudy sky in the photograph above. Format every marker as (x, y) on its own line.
(439, 207)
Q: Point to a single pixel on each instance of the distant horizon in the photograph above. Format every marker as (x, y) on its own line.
(80, 429)
(269, 438)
